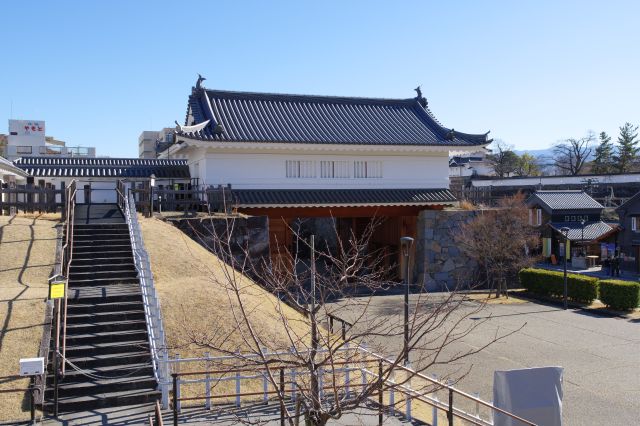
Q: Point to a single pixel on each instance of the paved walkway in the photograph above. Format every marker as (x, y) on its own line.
(598, 272)
(600, 355)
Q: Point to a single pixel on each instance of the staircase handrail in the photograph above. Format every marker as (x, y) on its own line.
(65, 263)
(151, 302)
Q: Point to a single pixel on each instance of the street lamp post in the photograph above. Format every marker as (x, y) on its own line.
(152, 184)
(406, 243)
(565, 232)
(584, 252)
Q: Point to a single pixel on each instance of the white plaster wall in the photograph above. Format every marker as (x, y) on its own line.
(267, 171)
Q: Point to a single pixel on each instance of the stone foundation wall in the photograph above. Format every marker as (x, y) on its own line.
(250, 233)
(440, 264)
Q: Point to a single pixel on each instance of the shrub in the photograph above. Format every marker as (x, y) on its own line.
(542, 282)
(619, 294)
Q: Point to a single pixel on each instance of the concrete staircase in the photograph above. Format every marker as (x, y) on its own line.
(106, 328)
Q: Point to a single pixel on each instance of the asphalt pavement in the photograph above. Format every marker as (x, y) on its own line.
(600, 355)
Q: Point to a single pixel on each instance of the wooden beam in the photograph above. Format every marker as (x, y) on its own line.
(293, 212)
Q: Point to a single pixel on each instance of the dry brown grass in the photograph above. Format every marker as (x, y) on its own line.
(27, 256)
(193, 292)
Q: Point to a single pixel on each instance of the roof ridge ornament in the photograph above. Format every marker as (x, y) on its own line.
(199, 82)
(421, 99)
(191, 129)
(451, 135)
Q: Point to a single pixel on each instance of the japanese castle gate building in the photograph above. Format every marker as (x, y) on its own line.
(300, 156)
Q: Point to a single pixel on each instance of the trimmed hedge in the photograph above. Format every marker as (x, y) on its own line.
(619, 294)
(543, 282)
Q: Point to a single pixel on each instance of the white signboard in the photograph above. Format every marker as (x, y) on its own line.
(26, 127)
(535, 394)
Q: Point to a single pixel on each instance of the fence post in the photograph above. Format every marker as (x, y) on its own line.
(281, 396)
(265, 381)
(392, 394)
(177, 383)
(32, 405)
(164, 387)
(175, 399)
(450, 410)
(408, 397)
(380, 400)
(434, 411)
(477, 395)
(207, 390)
(321, 382)
(346, 374)
(237, 389)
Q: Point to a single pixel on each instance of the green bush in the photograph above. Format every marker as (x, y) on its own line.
(619, 294)
(542, 282)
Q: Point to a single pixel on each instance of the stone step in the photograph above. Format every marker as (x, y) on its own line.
(82, 247)
(105, 294)
(103, 282)
(97, 327)
(115, 267)
(92, 386)
(97, 259)
(107, 307)
(102, 274)
(98, 317)
(107, 348)
(107, 399)
(106, 337)
(92, 255)
(91, 361)
(81, 232)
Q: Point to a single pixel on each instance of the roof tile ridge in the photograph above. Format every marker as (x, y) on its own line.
(309, 97)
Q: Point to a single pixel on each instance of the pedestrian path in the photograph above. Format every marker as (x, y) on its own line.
(597, 272)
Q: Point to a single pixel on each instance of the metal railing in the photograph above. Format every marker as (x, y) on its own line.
(152, 310)
(66, 258)
(358, 372)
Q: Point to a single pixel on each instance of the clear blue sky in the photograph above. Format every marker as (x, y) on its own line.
(532, 72)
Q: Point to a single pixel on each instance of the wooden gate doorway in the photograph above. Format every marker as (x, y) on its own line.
(385, 239)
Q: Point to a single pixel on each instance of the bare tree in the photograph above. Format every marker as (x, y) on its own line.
(503, 159)
(572, 154)
(501, 241)
(318, 283)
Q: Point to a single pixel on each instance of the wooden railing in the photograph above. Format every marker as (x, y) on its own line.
(212, 199)
(31, 199)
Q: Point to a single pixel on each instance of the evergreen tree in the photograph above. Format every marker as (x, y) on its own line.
(627, 147)
(603, 162)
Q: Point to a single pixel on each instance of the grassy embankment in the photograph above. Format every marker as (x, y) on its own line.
(27, 256)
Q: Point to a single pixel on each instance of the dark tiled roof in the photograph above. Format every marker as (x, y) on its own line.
(264, 117)
(592, 230)
(103, 167)
(564, 200)
(340, 197)
(457, 161)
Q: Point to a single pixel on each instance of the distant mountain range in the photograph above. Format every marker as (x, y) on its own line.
(547, 154)
(536, 152)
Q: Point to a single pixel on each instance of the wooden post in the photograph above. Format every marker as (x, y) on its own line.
(282, 409)
(63, 204)
(380, 394)
(450, 410)
(175, 399)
